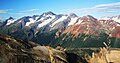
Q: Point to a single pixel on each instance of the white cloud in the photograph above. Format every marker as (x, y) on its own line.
(108, 5)
(18, 13)
(112, 7)
(22, 12)
(3, 11)
(30, 10)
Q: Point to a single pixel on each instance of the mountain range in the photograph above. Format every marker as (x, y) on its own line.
(57, 29)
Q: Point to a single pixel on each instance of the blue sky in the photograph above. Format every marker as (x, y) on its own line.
(97, 8)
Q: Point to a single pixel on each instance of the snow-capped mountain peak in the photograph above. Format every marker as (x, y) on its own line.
(31, 20)
(105, 18)
(63, 17)
(115, 18)
(88, 18)
(47, 18)
(10, 20)
(48, 13)
(73, 15)
(49, 21)
(35, 17)
(73, 19)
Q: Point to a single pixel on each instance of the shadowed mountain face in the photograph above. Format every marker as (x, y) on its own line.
(19, 51)
(57, 29)
(10, 48)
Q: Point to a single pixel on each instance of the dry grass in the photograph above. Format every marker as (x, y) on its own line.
(105, 56)
(113, 56)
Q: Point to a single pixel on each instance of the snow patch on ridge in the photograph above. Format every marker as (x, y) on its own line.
(73, 20)
(45, 22)
(59, 20)
(10, 21)
(31, 21)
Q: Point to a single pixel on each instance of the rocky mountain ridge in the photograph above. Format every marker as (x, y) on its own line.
(50, 26)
